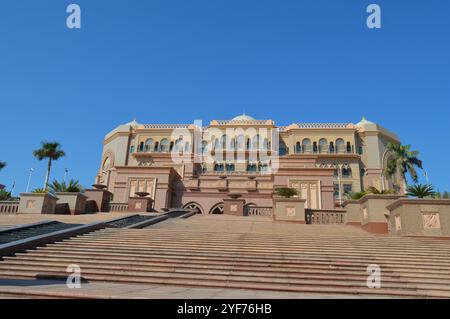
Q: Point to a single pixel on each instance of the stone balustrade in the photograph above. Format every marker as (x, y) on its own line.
(9, 207)
(259, 211)
(326, 217)
(118, 207)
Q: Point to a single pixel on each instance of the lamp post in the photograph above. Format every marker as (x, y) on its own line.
(340, 188)
(29, 179)
(65, 174)
(425, 173)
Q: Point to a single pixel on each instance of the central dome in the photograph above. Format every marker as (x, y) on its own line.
(243, 118)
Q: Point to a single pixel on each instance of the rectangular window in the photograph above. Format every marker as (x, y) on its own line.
(348, 188)
(336, 190)
(140, 185)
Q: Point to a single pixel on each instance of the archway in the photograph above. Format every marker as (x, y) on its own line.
(194, 206)
(217, 209)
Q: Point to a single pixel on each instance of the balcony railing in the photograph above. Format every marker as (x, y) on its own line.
(9, 207)
(118, 207)
(325, 217)
(259, 211)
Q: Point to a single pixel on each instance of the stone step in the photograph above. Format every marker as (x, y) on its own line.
(256, 247)
(249, 271)
(312, 286)
(301, 238)
(249, 264)
(373, 258)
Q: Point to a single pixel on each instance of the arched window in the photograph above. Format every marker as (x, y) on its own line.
(331, 147)
(164, 145)
(282, 148)
(195, 207)
(263, 166)
(306, 145)
(230, 167)
(217, 209)
(224, 142)
(149, 147)
(131, 149)
(240, 143)
(187, 147)
(171, 147)
(178, 145)
(106, 165)
(346, 172)
(349, 147)
(298, 148)
(314, 147)
(251, 167)
(257, 143)
(204, 147)
(340, 145)
(141, 146)
(323, 145)
(156, 146)
(266, 144)
(218, 167)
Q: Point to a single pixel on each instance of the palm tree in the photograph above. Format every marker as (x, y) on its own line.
(376, 191)
(2, 165)
(63, 187)
(421, 191)
(404, 161)
(51, 151)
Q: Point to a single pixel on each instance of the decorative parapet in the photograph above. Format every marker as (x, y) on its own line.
(9, 207)
(420, 217)
(117, 207)
(326, 217)
(165, 126)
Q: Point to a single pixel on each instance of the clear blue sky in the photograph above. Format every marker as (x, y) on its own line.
(172, 61)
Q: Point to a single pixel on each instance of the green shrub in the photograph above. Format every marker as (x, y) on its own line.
(62, 187)
(286, 192)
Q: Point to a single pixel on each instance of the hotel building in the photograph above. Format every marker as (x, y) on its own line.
(196, 166)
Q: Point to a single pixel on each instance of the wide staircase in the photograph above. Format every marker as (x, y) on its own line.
(247, 254)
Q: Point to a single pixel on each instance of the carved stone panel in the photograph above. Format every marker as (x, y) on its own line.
(431, 220)
(398, 223)
(290, 211)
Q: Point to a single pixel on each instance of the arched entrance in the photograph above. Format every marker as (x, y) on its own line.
(195, 207)
(217, 209)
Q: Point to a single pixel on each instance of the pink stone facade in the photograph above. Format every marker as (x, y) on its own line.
(321, 161)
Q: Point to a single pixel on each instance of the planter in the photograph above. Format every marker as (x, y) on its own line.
(31, 203)
(420, 217)
(353, 209)
(289, 209)
(75, 201)
(97, 200)
(140, 204)
(374, 214)
(233, 206)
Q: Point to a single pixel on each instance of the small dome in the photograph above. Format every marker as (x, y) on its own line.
(133, 123)
(243, 118)
(364, 122)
